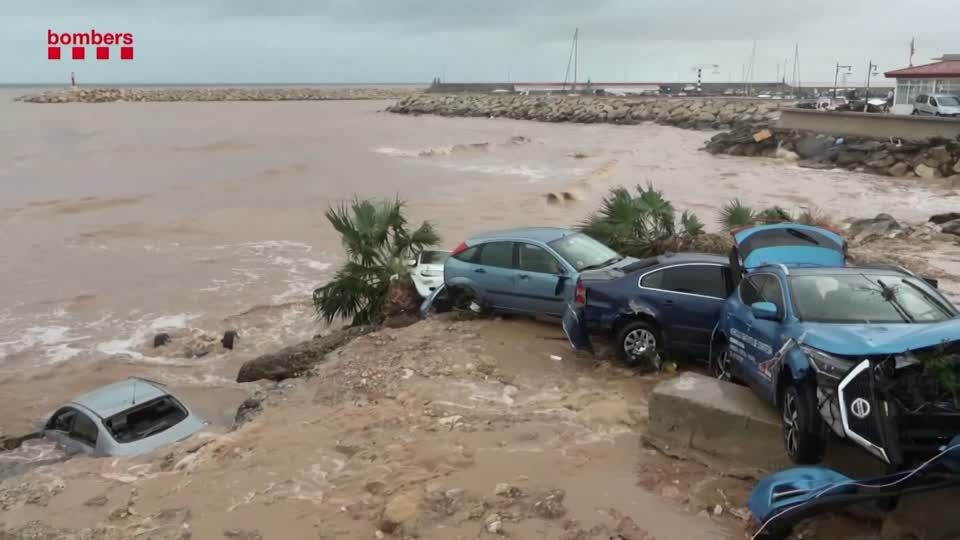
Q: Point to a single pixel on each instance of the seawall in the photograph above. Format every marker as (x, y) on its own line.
(109, 95)
(686, 112)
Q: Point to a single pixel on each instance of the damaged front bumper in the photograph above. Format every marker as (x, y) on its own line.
(894, 407)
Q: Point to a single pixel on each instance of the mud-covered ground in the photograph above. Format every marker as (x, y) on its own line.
(441, 430)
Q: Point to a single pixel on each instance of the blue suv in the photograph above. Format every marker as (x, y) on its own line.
(871, 353)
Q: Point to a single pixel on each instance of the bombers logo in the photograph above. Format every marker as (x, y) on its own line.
(77, 43)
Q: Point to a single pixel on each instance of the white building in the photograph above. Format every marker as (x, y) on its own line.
(940, 77)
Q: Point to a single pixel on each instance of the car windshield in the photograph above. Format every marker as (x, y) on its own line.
(948, 101)
(434, 257)
(146, 419)
(583, 252)
(866, 298)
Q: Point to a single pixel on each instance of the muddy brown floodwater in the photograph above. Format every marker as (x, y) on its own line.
(127, 219)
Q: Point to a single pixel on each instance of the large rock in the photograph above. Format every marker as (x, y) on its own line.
(882, 226)
(939, 219)
(850, 157)
(297, 360)
(811, 147)
(951, 227)
(400, 512)
(899, 170)
(925, 171)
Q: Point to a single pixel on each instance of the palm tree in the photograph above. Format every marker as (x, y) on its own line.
(641, 225)
(378, 244)
(735, 214)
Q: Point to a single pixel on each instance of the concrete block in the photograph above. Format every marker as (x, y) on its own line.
(715, 419)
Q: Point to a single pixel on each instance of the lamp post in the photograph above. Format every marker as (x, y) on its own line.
(836, 77)
(871, 72)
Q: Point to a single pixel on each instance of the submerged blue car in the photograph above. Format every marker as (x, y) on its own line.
(872, 354)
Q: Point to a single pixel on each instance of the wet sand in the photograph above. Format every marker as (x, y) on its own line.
(123, 220)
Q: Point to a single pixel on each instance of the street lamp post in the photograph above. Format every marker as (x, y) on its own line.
(871, 72)
(836, 77)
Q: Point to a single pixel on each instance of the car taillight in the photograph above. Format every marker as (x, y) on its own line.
(461, 247)
(580, 295)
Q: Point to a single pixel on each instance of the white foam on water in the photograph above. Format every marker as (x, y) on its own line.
(319, 266)
(396, 152)
(169, 322)
(532, 174)
(62, 353)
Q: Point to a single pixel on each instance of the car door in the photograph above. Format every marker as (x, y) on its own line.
(541, 283)
(934, 107)
(758, 343)
(495, 274)
(689, 301)
(920, 104)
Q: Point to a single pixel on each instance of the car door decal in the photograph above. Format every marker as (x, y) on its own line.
(769, 368)
(753, 342)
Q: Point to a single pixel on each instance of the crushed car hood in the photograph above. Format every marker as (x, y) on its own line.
(869, 339)
(614, 271)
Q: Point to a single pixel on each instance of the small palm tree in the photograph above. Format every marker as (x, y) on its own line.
(734, 214)
(378, 244)
(640, 225)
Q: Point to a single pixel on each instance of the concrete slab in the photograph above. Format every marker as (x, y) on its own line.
(693, 413)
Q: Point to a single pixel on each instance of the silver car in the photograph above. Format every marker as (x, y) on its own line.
(937, 105)
(126, 418)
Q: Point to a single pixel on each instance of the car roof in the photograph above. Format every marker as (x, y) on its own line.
(539, 234)
(692, 257)
(117, 397)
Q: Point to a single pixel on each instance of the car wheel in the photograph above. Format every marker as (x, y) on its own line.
(640, 344)
(466, 299)
(915, 113)
(803, 433)
(720, 363)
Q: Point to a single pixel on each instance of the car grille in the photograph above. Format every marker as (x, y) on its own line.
(903, 414)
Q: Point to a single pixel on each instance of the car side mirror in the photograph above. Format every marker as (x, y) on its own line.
(411, 262)
(931, 281)
(766, 311)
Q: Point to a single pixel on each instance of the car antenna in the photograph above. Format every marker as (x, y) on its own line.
(134, 402)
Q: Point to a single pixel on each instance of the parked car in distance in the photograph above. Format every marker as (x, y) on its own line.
(426, 270)
(937, 105)
(667, 303)
(867, 352)
(130, 417)
(532, 271)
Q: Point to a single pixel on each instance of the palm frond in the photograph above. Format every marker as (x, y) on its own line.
(692, 226)
(735, 214)
(774, 214)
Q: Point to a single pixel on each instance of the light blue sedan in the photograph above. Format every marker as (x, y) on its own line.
(534, 271)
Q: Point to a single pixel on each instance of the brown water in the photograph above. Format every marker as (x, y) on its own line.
(122, 220)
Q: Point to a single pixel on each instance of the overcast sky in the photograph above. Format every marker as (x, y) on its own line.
(275, 41)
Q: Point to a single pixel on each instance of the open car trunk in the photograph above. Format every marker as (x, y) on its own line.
(789, 244)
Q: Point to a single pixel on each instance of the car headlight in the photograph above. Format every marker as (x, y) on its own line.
(827, 364)
(429, 273)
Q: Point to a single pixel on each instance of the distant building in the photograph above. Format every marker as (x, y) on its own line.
(940, 77)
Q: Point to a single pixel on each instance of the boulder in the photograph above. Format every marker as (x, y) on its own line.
(850, 157)
(811, 147)
(924, 171)
(298, 359)
(940, 155)
(899, 169)
(882, 226)
(939, 219)
(401, 510)
(951, 227)
(815, 164)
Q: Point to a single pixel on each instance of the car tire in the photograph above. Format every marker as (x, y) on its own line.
(467, 299)
(639, 345)
(720, 362)
(915, 113)
(803, 435)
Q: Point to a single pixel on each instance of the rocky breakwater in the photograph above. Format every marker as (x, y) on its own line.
(110, 95)
(691, 113)
(935, 158)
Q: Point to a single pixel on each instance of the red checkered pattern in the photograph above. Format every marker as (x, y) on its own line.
(80, 53)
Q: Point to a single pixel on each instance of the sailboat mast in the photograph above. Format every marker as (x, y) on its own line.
(576, 56)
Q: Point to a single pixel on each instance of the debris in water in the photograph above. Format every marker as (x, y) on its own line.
(160, 340)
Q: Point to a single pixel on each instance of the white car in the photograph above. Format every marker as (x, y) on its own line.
(427, 271)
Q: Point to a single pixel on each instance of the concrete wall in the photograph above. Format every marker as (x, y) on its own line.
(881, 126)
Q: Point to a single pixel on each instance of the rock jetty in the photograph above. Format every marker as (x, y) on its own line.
(685, 112)
(110, 95)
(931, 159)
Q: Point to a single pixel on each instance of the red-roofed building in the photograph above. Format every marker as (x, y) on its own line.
(940, 77)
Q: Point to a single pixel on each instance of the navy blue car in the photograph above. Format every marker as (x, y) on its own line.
(669, 303)
(872, 353)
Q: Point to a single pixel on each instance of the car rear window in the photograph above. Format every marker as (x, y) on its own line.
(146, 419)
